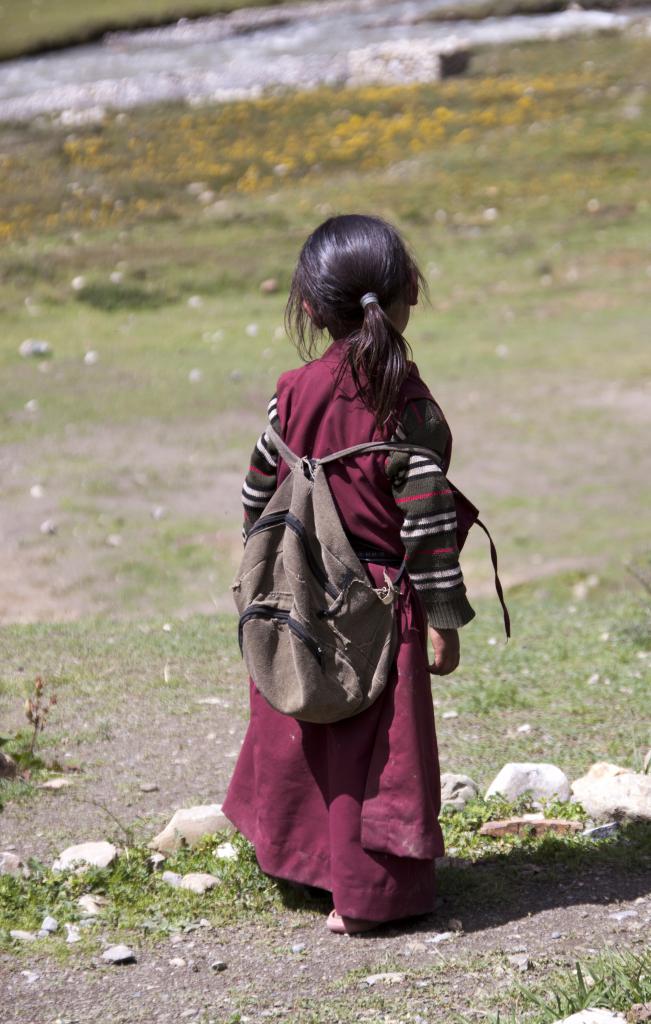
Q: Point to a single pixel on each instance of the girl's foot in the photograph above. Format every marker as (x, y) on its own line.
(349, 925)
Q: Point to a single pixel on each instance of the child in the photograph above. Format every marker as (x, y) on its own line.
(352, 807)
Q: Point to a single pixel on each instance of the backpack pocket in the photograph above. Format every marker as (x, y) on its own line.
(293, 668)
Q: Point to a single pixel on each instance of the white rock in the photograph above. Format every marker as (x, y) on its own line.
(441, 937)
(32, 405)
(387, 978)
(226, 851)
(195, 375)
(119, 955)
(520, 961)
(252, 330)
(58, 783)
(78, 283)
(543, 781)
(188, 825)
(177, 961)
(99, 854)
(457, 790)
(73, 933)
(22, 936)
(34, 348)
(91, 358)
(36, 491)
(50, 924)
(608, 791)
(30, 976)
(450, 714)
(10, 863)
(116, 277)
(92, 904)
(195, 302)
(593, 1017)
(114, 540)
(199, 882)
(48, 527)
(172, 878)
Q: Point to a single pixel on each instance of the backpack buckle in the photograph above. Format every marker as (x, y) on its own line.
(309, 467)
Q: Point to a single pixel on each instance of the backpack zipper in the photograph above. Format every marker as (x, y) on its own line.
(267, 611)
(296, 526)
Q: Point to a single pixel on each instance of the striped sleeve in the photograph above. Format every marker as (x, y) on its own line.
(260, 480)
(423, 494)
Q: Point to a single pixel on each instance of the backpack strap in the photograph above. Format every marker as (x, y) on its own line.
(386, 446)
(291, 458)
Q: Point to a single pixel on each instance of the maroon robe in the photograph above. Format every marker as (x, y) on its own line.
(350, 807)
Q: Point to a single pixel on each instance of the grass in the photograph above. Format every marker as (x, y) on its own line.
(614, 981)
(580, 693)
(33, 27)
(519, 186)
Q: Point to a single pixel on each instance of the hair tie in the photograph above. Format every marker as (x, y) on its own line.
(367, 299)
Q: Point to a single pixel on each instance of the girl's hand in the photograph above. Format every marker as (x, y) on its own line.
(445, 643)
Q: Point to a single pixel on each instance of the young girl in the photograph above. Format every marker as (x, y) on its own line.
(352, 807)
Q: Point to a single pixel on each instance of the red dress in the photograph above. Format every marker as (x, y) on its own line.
(350, 807)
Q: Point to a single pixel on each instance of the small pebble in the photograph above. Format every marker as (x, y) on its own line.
(298, 947)
(36, 491)
(78, 283)
(50, 924)
(195, 376)
(91, 358)
(48, 527)
(218, 965)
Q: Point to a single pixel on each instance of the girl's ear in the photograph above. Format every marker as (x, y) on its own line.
(310, 312)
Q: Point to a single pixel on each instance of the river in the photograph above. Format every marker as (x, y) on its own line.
(243, 54)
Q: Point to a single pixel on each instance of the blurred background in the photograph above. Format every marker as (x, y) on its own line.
(157, 178)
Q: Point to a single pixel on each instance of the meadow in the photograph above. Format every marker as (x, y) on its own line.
(522, 188)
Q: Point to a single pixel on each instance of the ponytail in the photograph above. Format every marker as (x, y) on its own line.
(378, 357)
(338, 264)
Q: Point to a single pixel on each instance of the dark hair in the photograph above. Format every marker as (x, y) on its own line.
(342, 260)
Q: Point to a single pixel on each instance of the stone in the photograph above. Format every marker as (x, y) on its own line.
(35, 348)
(457, 790)
(48, 527)
(30, 976)
(218, 965)
(188, 825)
(198, 881)
(157, 859)
(269, 286)
(91, 358)
(534, 823)
(298, 947)
(92, 904)
(386, 978)
(407, 60)
(611, 828)
(49, 924)
(639, 1013)
(593, 1017)
(10, 863)
(172, 878)
(623, 915)
(8, 767)
(440, 937)
(520, 961)
(226, 851)
(72, 933)
(95, 854)
(177, 961)
(22, 936)
(58, 783)
(120, 954)
(543, 781)
(608, 791)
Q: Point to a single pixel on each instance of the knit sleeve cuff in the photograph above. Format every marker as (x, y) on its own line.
(451, 613)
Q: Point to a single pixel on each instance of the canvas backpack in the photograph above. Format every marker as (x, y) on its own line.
(317, 636)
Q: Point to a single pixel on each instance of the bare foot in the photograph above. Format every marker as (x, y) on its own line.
(349, 925)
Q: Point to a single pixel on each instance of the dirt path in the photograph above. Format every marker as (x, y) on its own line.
(264, 979)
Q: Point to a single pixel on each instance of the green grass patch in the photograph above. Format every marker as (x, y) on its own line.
(32, 27)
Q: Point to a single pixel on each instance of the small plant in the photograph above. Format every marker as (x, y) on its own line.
(37, 709)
